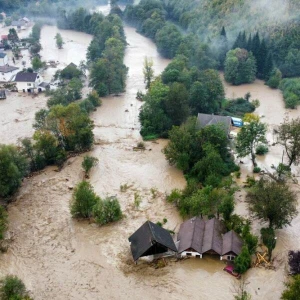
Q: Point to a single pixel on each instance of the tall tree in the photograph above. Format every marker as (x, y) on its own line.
(248, 138)
(148, 71)
(289, 137)
(59, 41)
(272, 202)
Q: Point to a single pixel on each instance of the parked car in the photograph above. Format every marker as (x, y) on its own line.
(230, 269)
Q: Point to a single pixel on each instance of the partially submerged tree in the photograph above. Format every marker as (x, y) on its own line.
(12, 288)
(59, 41)
(148, 71)
(249, 137)
(272, 202)
(289, 137)
(88, 163)
(292, 290)
(269, 239)
(243, 261)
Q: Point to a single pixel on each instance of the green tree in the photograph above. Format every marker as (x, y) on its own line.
(148, 71)
(275, 79)
(59, 41)
(168, 39)
(249, 137)
(107, 211)
(243, 261)
(88, 163)
(12, 35)
(292, 290)
(289, 138)
(14, 167)
(272, 202)
(3, 221)
(12, 288)
(83, 201)
(36, 32)
(240, 66)
(37, 63)
(269, 240)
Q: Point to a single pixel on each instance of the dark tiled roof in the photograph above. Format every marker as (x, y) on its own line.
(212, 239)
(150, 239)
(206, 119)
(7, 69)
(191, 235)
(232, 243)
(2, 54)
(26, 77)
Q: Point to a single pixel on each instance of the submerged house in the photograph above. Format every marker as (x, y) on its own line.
(151, 239)
(7, 73)
(204, 120)
(3, 59)
(28, 82)
(197, 237)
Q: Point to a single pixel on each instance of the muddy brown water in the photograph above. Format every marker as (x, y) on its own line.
(60, 258)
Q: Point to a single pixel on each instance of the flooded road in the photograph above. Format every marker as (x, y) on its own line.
(60, 258)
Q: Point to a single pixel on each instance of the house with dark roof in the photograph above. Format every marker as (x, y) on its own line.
(28, 82)
(151, 239)
(232, 245)
(3, 59)
(7, 73)
(197, 237)
(204, 120)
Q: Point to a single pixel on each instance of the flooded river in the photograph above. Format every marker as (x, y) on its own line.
(60, 258)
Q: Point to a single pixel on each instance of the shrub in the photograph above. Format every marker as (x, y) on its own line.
(175, 196)
(88, 163)
(84, 200)
(243, 261)
(107, 210)
(292, 289)
(269, 240)
(274, 79)
(3, 221)
(137, 200)
(256, 169)
(12, 288)
(262, 149)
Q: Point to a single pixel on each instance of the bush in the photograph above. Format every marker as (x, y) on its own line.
(269, 240)
(243, 261)
(88, 163)
(3, 221)
(274, 79)
(262, 149)
(12, 288)
(256, 169)
(107, 210)
(175, 196)
(84, 200)
(292, 289)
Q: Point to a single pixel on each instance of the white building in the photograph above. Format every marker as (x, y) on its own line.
(3, 59)
(28, 82)
(7, 73)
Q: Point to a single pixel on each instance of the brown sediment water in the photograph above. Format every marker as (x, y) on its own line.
(58, 257)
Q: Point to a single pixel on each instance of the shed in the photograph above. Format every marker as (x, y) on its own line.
(204, 120)
(232, 245)
(150, 239)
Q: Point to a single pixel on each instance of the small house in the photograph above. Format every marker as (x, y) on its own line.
(3, 59)
(20, 24)
(232, 245)
(204, 120)
(151, 239)
(25, 21)
(7, 73)
(28, 82)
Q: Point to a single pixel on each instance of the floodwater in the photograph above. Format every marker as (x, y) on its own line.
(60, 258)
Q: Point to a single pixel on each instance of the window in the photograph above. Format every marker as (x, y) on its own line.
(28, 84)
(230, 257)
(189, 254)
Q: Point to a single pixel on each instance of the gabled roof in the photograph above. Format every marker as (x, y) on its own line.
(232, 243)
(206, 119)
(7, 69)
(212, 239)
(71, 65)
(2, 54)
(191, 235)
(26, 77)
(150, 239)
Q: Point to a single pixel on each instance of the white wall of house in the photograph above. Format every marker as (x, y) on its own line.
(25, 86)
(5, 77)
(190, 254)
(227, 257)
(4, 61)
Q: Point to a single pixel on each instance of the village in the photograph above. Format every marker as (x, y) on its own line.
(141, 250)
